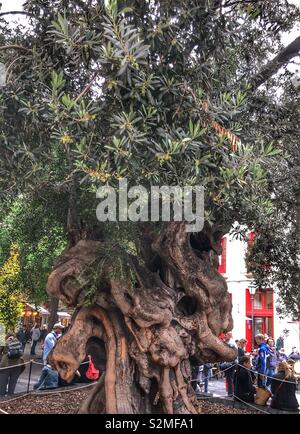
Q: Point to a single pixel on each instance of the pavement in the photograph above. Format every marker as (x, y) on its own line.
(36, 368)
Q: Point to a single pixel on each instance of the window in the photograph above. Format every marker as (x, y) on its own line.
(258, 326)
(263, 301)
(269, 326)
(269, 300)
(258, 304)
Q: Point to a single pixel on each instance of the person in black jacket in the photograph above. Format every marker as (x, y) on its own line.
(229, 367)
(241, 348)
(283, 387)
(244, 389)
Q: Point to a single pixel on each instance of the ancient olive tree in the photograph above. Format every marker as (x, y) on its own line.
(153, 92)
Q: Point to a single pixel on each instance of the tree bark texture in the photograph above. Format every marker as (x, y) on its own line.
(152, 322)
(53, 317)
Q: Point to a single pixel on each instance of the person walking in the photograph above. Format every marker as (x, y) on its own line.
(195, 377)
(229, 367)
(12, 360)
(207, 374)
(43, 334)
(271, 360)
(35, 336)
(241, 348)
(22, 337)
(50, 340)
(263, 354)
(283, 387)
(244, 389)
(280, 342)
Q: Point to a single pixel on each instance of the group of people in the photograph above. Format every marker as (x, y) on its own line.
(268, 367)
(35, 335)
(12, 362)
(50, 378)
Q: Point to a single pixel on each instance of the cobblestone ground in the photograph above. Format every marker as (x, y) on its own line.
(36, 369)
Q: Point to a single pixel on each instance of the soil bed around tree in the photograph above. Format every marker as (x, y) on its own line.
(69, 402)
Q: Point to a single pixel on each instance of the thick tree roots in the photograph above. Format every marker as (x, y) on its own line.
(152, 322)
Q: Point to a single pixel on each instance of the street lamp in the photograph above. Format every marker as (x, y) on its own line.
(252, 290)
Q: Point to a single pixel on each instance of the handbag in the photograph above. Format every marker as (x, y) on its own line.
(262, 396)
(92, 373)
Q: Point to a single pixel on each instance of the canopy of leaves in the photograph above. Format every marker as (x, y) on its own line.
(98, 91)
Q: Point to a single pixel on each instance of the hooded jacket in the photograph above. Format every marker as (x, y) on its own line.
(263, 354)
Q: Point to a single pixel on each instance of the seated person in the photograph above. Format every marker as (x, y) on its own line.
(283, 387)
(243, 381)
(295, 355)
(48, 379)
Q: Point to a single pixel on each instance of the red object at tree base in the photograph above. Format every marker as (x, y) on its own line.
(92, 373)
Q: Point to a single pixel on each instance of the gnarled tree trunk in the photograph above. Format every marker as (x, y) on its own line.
(152, 322)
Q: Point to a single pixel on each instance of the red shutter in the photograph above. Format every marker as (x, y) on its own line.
(251, 237)
(222, 258)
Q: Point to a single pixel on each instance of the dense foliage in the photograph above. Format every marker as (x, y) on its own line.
(37, 229)
(97, 91)
(11, 290)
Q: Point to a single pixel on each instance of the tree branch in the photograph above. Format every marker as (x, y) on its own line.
(283, 57)
(87, 88)
(16, 13)
(14, 47)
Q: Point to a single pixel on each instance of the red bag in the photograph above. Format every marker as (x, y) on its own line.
(92, 373)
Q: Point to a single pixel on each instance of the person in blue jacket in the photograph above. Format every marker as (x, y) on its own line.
(48, 378)
(263, 354)
(50, 340)
(271, 361)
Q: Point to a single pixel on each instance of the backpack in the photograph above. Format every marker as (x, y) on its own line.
(92, 373)
(14, 349)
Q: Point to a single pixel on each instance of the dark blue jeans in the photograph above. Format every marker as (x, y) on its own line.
(8, 380)
(207, 373)
(260, 382)
(32, 351)
(229, 374)
(270, 373)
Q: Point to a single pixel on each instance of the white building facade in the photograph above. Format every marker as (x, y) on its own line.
(265, 318)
